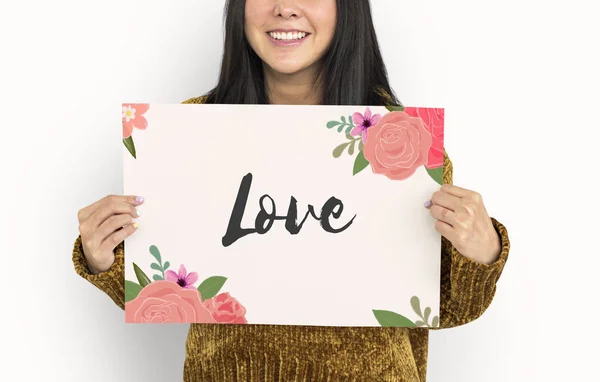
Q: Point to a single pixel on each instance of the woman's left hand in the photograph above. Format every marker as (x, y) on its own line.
(464, 221)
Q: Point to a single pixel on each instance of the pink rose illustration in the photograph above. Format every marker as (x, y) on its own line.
(397, 145)
(167, 302)
(132, 115)
(226, 309)
(434, 121)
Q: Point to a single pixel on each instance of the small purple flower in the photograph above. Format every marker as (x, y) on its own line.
(363, 122)
(184, 279)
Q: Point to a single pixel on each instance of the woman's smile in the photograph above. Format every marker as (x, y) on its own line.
(287, 37)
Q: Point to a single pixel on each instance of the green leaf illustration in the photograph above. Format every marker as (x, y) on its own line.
(350, 125)
(337, 152)
(156, 267)
(426, 314)
(347, 124)
(361, 146)
(435, 322)
(420, 323)
(131, 290)
(416, 305)
(156, 253)
(332, 124)
(360, 163)
(351, 148)
(349, 137)
(436, 174)
(157, 277)
(387, 318)
(211, 286)
(395, 108)
(160, 266)
(128, 142)
(141, 276)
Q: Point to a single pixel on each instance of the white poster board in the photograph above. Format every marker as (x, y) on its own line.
(342, 237)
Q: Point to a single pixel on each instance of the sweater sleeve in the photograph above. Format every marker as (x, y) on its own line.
(467, 286)
(112, 281)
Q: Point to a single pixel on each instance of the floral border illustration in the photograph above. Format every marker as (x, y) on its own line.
(172, 297)
(395, 144)
(388, 318)
(132, 116)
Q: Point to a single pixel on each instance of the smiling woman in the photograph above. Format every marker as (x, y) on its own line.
(310, 52)
(301, 52)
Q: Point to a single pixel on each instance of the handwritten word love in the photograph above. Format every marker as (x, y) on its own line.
(264, 220)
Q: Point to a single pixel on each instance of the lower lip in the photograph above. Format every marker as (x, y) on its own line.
(287, 42)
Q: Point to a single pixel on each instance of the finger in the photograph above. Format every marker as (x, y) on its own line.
(112, 224)
(86, 212)
(114, 239)
(107, 210)
(443, 214)
(455, 190)
(445, 230)
(445, 200)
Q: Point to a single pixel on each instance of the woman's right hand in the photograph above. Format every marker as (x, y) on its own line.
(105, 224)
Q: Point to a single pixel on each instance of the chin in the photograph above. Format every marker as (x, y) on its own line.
(288, 67)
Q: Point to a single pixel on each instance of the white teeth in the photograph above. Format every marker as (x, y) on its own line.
(288, 35)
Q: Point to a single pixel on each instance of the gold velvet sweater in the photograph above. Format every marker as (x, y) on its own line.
(273, 353)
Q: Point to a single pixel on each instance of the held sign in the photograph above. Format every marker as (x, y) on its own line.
(289, 215)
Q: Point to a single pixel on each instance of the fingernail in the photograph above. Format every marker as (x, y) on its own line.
(139, 199)
(137, 211)
(428, 204)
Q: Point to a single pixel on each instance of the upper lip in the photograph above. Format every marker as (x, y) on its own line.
(286, 30)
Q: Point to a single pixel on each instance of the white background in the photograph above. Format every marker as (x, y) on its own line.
(519, 80)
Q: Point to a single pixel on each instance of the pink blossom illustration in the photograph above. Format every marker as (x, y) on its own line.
(132, 115)
(165, 302)
(434, 122)
(399, 145)
(363, 123)
(226, 309)
(184, 279)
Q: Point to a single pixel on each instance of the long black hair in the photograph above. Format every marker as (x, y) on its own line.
(352, 70)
